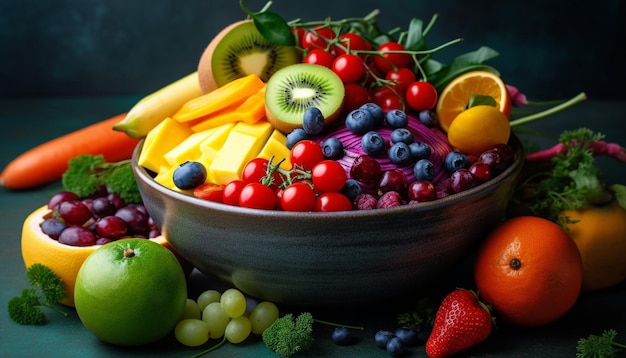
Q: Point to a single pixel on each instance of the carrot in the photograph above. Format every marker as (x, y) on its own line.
(48, 161)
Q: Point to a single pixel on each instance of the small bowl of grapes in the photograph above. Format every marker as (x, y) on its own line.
(369, 207)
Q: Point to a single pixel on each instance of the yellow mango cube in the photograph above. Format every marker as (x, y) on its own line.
(161, 139)
(276, 146)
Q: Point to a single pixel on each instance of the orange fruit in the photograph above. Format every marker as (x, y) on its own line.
(455, 97)
(478, 129)
(600, 234)
(64, 260)
(130, 292)
(529, 270)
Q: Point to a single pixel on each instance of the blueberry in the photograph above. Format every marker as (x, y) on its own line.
(360, 121)
(313, 121)
(420, 150)
(295, 136)
(382, 337)
(376, 111)
(332, 148)
(456, 160)
(351, 189)
(408, 336)
(428, 118)
(189, 175)
(341, 336)
(424, 170)
(400, 154)
(373, 143)
(401, 135)
(395, 347)
(396, 118)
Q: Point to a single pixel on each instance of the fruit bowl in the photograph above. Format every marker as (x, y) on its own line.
(310, 259)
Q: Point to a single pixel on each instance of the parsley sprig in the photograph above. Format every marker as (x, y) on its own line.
(603, 346)
(46, 289)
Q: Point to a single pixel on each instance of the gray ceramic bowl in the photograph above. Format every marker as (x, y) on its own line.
(328, 258)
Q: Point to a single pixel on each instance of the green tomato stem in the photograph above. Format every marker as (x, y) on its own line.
(337, 325)
(533, 117)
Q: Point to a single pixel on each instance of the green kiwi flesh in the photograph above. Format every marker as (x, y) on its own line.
(293, 89)
(244, 51)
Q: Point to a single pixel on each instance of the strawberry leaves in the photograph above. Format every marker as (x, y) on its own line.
(462, 321)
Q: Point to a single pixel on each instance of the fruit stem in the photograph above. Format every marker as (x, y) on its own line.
(533, 117)
(337, 325)
(128, 253)
(216, 346)
(55, 308)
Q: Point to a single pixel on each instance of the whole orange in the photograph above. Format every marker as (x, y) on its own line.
(599, 231)
(529, 270)
(130, 292)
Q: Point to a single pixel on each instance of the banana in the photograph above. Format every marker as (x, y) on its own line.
(154, 108)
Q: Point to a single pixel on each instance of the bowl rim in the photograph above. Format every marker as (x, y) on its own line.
(142, 174)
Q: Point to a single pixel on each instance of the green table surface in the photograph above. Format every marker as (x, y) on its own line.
(25, 123)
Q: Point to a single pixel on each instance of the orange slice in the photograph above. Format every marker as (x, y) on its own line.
(455, 97)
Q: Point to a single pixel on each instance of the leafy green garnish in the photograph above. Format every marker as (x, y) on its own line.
(288, 336)
(86, 174)
(271, 25)
(422, 317)
(595, 346)
(46, 289)
(573, 180)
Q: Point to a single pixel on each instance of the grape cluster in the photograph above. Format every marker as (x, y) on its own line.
(96, 220)
(223, 315)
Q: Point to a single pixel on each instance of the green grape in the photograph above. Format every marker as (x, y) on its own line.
(191, 310)
(207, 297)
(238, 329)
(233, 302)
(217, 320)
(192, 332)
(262, 316)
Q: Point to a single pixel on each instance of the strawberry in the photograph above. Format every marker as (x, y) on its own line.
(462, 321)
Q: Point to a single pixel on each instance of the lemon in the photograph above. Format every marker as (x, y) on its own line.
(478, 129)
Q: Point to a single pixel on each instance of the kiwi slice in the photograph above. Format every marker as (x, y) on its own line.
(293, 89)
(240, 50)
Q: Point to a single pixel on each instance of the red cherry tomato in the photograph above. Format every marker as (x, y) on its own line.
(319, 39)
(331, 202)
(388, 61)
(256, 170)
(348, 67)
(402, 76)
(351, 42)
(297, 197)
(306, 153)
(231, 192)
(320, 57)
(257, 196)
(388, 98)
(210, 191)
(421, 96)
(328, 176)
(355, 96)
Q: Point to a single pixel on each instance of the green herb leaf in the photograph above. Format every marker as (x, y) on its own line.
(480, 100)
(415, 37)
(271, 25)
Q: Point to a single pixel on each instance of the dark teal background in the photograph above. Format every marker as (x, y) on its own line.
(549, 49)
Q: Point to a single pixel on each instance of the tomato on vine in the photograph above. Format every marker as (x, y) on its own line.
(388, 98)
(355, 96)
(387, 61)
(317, 39)
(231, 192)
(257, 169)
(403, 77)
(351, 42)
(331, 202)
(320, 57)
(421, 96)
(306, 153)
(298, 196)
(328, 176)
(348, 67)
(257, 196)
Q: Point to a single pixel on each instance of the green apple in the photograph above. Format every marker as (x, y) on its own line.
(130, 292)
